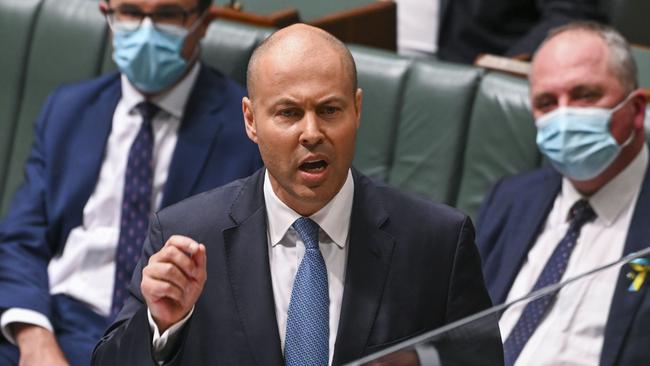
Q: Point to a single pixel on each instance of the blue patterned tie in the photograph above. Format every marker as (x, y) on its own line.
(307, 339)
(534, 312)
(136, 205)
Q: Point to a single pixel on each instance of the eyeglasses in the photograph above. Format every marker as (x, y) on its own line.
(129, 18)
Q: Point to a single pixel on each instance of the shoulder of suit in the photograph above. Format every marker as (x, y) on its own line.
(528, 181)
(214, 202)
(86, 90)
(402, 205)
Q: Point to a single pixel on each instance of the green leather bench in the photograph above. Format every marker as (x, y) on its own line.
(441, 130)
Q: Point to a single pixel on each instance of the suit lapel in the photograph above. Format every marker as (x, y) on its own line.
(93, 128)
(369, 258)
(625, 304)
(530, 214)
(248, 267)
(196, 135)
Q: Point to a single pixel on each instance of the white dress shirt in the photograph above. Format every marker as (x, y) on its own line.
(86, 268)
(417, 26)
(572, 333)
(286, 250)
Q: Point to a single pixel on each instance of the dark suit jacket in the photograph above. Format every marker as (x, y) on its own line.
(509, 221)
(63, 167)
(412, 267)
(503, 27)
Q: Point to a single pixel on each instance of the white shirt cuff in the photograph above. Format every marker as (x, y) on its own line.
(427, 355)
(164, 344)
(19, 315)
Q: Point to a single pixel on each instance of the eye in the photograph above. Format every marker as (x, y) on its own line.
(545, 104)
(289, 113)
(329, 111)
(126, 14)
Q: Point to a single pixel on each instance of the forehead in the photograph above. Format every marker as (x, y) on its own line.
(302, 69)
(152, 4)
(569, 60)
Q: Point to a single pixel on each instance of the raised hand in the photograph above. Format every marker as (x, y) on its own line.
(173, 280)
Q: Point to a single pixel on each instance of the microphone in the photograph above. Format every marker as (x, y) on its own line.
(453, 343)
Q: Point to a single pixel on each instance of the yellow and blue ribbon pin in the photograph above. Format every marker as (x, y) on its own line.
(641, 267)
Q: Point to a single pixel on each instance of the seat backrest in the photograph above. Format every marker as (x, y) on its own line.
(501, 138)
(432, 129)
(382, 76)
(67, 45)
(228, 45)
(642, 58)
(17, 18)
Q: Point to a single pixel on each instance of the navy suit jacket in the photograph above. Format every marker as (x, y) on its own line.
(509, 222)
(412, 267)
(63, 167)
(503, 27)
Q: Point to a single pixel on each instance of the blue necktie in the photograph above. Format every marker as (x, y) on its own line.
(307, 339)
(534, 312)
(136, 205)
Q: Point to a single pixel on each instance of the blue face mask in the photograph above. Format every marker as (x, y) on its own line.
(578, 142)
(151, 58)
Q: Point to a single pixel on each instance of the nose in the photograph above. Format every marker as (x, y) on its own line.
(311, 133)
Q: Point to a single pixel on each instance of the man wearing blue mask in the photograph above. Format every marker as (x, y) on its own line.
(587, 209)
(107, 153)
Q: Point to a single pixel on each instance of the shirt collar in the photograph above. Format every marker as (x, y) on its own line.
(618, 194)
(333, 219)
(172, 101)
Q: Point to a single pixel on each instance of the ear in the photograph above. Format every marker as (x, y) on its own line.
(209, 16)
(358, 100)
(639, 101)
(103, 7)
(249, 119)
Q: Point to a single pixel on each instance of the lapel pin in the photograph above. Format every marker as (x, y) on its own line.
(640, 268)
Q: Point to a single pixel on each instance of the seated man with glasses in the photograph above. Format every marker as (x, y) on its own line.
(107, 153)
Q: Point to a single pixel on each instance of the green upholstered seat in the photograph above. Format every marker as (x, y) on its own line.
(432, 129)
(17, 19)
(67, 45)
(382, 76)
(228, 45)
(642, 58)
(501, 138)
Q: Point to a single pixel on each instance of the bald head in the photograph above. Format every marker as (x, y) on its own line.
(299, 42)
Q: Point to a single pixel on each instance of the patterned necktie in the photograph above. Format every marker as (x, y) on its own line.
(534, 312)
(307, 337)
(136, 205)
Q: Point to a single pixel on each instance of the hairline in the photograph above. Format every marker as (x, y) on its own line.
(620, 61)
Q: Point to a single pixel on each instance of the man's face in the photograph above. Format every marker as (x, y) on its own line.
(572, 70)
(168, 7)
(304, 116)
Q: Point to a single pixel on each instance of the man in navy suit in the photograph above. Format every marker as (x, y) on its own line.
(306, 262)
(107, 153)
(588, 209)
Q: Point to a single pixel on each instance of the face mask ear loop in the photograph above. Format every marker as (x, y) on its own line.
(190, 30)
(619, 106)
(624, 101)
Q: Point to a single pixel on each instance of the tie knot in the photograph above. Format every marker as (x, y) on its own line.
(581, 212)
(308, 231)
(147, 110)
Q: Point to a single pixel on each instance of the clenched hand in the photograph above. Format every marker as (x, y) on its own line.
(173, 280)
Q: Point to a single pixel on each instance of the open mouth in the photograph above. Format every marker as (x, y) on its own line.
(315, 166)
